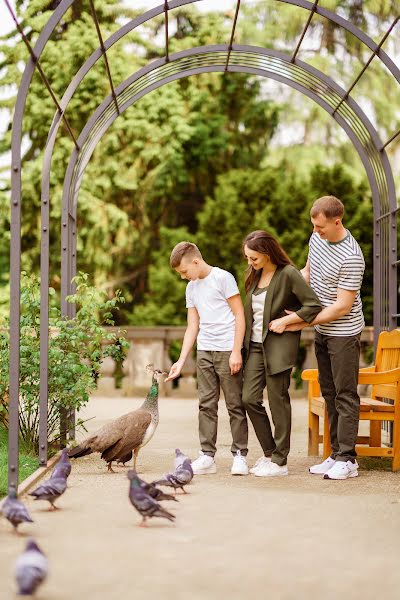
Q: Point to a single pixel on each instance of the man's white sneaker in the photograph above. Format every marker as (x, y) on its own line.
(239, 466)
(271, 469)
(261, 461)
(323, 467)
(342, 470)
(204, 465)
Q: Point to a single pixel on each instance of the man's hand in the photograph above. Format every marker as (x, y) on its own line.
(235, 362)
(174, 371)
(297, 326)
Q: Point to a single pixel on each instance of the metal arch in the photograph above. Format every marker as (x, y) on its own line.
(16, 200)
(376, 164)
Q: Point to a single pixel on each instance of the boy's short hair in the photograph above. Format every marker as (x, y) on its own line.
(329, 206)
(183, 249)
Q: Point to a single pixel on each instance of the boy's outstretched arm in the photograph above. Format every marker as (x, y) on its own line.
(235, 359)
(189, 339)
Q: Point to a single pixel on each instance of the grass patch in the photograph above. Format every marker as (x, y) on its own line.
(27, 463)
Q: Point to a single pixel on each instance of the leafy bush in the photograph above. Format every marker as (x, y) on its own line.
(76, 349)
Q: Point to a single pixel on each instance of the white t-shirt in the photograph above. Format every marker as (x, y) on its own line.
(209, 297)
(257, 305)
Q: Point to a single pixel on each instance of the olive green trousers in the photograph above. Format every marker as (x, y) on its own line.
(213, 372)
(255, 379)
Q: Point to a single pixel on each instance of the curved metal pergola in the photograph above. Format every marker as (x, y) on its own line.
(230, 57)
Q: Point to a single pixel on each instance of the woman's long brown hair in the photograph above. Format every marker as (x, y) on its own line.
(265, 243)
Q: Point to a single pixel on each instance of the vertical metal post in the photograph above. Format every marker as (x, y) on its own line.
(44, 329)
(15, 312)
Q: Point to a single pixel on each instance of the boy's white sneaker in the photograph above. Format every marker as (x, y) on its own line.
(271, 469)
(261, 461)
(342, 470)
(323, 467)
(204, 465)
(239, 465)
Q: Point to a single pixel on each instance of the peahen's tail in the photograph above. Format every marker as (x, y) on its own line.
(79, 451)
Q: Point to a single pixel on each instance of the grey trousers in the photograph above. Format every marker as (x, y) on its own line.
(212, 372)
(255, 380)
(338, 363)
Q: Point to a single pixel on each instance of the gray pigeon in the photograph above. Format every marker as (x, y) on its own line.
(30, 569)
(150, 489)
(63, 467)
(50, 490)
(179, 458)
(143, 503)
(177, 480)
(15, 512)
(184, 472)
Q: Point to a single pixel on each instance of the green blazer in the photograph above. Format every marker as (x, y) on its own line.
(287, 290)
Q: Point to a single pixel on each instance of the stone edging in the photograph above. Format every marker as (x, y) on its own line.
(26, 485)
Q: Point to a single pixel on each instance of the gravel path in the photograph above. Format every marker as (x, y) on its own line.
(236, 538)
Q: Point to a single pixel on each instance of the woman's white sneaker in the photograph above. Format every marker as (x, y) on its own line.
(239, 466)
(204, 465)
(342, 470)
(271, 469)
(261, 461)
(323, 467)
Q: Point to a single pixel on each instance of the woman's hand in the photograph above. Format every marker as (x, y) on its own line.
(278, 325)
(235, 362)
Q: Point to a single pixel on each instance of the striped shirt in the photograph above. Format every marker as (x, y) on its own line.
(336, 265)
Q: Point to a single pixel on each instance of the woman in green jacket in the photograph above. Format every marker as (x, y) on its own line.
(273, 285)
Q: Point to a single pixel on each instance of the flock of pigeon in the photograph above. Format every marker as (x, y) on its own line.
(31, 566)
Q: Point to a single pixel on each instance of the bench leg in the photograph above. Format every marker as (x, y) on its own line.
(327, 438)
(375, 436)
(313, 434)
(396, 443)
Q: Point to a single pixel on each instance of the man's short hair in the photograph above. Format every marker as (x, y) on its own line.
(183, 249)
(329, 206)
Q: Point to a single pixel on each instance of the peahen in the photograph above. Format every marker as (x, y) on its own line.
(117, 440)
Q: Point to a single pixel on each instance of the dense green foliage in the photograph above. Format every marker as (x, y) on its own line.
(206, 158)
(76, 349)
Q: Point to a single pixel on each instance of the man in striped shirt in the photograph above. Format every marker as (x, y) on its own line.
(335, 269)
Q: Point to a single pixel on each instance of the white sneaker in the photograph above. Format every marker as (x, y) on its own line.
(239, 466)
(271, 469)
(204, 465)
(323, 467)
(261, 461)
(342, 470)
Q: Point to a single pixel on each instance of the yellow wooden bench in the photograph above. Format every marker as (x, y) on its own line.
(384, 377)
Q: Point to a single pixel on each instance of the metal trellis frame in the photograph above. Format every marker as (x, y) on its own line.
(230, 57)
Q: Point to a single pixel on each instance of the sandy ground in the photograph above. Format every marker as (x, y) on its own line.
(288, 538)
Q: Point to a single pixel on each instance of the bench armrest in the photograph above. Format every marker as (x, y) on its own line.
(392, 376)
(310, 375)
(370, 369)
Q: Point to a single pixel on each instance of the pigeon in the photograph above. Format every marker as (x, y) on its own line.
(117, 440)
(63, 467)
(50, 490)
(185, 472)
(150, 489)
(30, 569)
(179, 478)
(179, 458)
(15, 512)
(144, 503)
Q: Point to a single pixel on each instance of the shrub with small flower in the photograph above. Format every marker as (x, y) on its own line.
(77, 347)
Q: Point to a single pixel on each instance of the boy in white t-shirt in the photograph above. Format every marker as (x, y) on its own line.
(216, 319)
